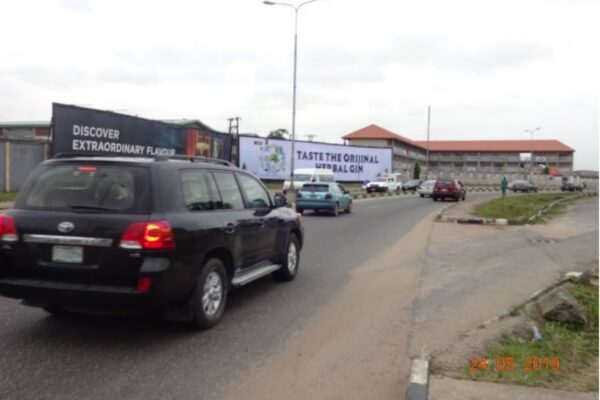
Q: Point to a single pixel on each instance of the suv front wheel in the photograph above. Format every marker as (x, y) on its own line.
(210, 296)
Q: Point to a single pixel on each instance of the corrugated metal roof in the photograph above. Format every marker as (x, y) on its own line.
(522, 146)
(376, 132)
(25, 124)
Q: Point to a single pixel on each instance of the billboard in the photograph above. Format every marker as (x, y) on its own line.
(85, 130)
(271, 158)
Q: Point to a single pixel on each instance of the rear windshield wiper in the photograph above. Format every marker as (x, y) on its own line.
(90, 208)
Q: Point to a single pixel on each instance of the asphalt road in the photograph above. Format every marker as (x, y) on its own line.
(42, 357)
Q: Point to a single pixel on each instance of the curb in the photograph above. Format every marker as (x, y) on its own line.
(504, 221)
(419, 369)
(419, 378)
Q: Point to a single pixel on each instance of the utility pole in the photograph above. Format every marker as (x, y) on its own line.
(427, 150)
(234, 131)
(234, 126)
(531, 148)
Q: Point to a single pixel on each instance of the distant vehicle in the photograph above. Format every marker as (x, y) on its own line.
(385, 183)
(329, 197)
(449, 189)
(572, 187)
(308, 175)
(412, 185)
(523, 186)
(116, 234)
(426, 188)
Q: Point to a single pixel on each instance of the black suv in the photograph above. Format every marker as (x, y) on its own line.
(174, 234)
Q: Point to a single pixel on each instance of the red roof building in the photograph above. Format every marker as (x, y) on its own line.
(471, 155)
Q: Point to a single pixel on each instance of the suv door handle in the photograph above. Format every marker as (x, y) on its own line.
(229, 228)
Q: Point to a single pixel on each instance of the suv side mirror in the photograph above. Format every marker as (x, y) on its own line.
(279, 200)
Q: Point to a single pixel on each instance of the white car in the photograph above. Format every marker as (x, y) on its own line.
(426, 188)
(385, 183)
(308, 175)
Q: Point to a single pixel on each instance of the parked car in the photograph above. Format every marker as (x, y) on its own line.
(384, 183)
(329, 197)
(572, 187)
(523, 186)
(449, 189)
(426, 188)
(136, 234)
(412, 185)
(308, 175)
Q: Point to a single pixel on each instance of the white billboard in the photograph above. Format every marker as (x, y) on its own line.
(271, 158)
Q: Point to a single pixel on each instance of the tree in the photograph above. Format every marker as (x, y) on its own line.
(279, 134)
(417, 171)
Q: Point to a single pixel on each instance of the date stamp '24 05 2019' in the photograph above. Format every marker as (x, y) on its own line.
(508, 363)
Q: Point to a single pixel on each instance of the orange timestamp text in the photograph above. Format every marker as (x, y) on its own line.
(508, 363)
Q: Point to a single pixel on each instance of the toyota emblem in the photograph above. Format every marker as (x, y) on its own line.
(66, 227)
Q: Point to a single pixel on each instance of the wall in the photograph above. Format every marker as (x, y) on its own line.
(17, 159)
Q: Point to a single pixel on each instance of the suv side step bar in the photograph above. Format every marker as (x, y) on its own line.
(243, 277)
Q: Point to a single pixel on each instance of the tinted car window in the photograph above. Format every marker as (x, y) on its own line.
(199, 190)
(302, 178)
(257, 196)
(315, 188)
(444, 183)
(230, 191)
(93, 187)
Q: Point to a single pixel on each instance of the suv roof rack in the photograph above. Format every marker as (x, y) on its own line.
(73, 155)
(193, 159)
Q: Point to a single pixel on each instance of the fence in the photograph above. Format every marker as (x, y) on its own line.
(17, 159)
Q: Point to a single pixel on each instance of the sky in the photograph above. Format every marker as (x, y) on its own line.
(489, 69)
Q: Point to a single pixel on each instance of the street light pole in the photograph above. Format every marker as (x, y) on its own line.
(530, 131)
(427, 155)
(296, 9)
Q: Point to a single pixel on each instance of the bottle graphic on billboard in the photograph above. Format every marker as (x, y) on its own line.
(272, 160)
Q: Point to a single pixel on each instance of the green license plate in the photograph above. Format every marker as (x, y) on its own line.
(67, 254)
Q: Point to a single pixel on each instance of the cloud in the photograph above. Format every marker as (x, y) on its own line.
(443, 54)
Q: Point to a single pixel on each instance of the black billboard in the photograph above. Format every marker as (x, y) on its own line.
(85, 130)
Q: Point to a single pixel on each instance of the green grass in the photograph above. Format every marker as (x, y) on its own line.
(577, 351)
(8, 196)
(515, 208)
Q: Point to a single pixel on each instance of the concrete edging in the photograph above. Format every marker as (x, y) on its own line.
(504, 221)
(418, 388)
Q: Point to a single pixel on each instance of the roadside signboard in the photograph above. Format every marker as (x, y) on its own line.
(85, 130)
(271, 158)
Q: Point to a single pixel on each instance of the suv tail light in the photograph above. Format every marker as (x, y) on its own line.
(8, 229)
(328, 196)
(148, 236)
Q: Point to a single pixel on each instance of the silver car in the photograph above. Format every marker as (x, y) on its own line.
(426, 188)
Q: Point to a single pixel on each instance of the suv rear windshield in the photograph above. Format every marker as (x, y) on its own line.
(315, 188)
(444, 183)
(302, 177)
(88, 187)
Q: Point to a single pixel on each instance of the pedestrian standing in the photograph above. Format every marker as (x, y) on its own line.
(504, 186)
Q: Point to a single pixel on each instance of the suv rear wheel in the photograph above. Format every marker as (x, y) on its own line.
(291, 261)
(210, 296)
